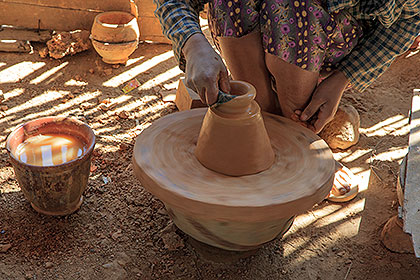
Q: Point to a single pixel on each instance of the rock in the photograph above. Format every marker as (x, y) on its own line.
(68, 43)
(343, 131)
(107, 71)
(116, 235)
(5, 247)
(122, 259)
(394, 238)
(123, 115)
(1, 96)
(172, 241)
(114, 271)
(49, 265)
(4, 108)
(43, 52)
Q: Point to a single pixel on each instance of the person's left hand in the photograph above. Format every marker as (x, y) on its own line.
(324, 102)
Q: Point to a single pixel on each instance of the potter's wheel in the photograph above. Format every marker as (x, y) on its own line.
(301, 176)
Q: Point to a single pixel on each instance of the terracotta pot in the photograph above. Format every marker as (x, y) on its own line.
(57, 189)
(115, 36)
(233, 139)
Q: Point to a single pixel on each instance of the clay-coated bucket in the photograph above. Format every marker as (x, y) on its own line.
(57, 189)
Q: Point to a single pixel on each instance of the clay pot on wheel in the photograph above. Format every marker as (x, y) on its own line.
(233, 139)
(115, 36)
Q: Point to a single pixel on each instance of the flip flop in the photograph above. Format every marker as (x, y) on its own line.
(344, 175)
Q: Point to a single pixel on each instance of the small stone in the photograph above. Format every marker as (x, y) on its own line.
(107, 265)
(1, 96)
(91, 71)
(343, 131)
(107, 71)
(4, 108)
(116, 234)
(172, 241)
(93, 168)
(5, 247)
(114, 271)
(341, 254)
(29, 276)
(103, 107)
(43, 52)
(396, 265)
(115, 66)
(70, 95)
(49, 264)
(123, 147)
(123, 115)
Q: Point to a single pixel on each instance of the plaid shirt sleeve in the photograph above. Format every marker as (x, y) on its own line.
(179, 20)
(376, 51)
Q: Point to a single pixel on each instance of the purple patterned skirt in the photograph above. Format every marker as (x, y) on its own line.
(300, 32)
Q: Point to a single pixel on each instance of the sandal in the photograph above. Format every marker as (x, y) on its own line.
(346, 186)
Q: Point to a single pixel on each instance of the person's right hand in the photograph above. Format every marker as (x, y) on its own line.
(205, 71)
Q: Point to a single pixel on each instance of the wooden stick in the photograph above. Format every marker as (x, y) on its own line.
(15, 46)
(10, 33)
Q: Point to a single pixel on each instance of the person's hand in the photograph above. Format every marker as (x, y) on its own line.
(205, 71)
(324, 102)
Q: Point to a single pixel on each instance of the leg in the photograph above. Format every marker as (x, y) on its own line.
(244, 57)
(294, 85)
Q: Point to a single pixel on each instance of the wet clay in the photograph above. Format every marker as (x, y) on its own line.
(49, 149)
(233, 139)
(52, 189)
(232, 212)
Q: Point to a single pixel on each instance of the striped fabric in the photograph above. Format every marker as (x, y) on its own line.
(391, 27)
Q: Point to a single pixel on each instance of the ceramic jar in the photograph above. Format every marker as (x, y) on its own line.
(115, 36)
(233, 139)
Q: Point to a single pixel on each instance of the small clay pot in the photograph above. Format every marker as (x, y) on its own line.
(115, 36)
(114, 53)
(233, 139)
(53, 190)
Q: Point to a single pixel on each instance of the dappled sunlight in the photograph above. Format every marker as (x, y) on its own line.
(132, 61)
(13, 93)
(161, 78)
(393, 154)
(396, 125)
(339, 220)
(350, 156)
(38, 100)
(73, 82)
(17, 72)
(48, 73)
(138, 69)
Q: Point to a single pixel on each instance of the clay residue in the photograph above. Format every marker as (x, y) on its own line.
(68, 43)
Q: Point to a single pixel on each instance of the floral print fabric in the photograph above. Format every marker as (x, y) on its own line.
(300, 32)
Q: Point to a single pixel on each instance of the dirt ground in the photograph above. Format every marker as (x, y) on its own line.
(123, 232)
